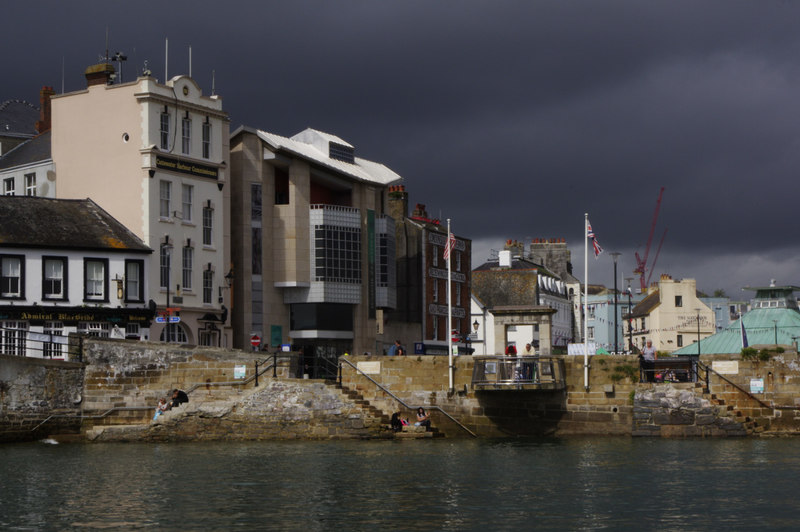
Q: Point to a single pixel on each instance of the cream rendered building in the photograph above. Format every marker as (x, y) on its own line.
(313, 246)
(669, 316)
(154, 155)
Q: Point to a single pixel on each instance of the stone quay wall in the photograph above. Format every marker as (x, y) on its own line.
(134, 375)
(35, 390)
(606, 408)
(281, 409)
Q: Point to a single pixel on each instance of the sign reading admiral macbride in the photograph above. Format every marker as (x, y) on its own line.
(186, 167)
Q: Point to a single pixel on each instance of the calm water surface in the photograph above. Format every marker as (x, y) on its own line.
(575, 484)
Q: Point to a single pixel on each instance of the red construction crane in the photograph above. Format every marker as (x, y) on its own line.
(641, 263)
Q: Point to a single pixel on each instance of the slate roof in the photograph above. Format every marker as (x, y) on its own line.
(761, 326)
(34, 150)
(31, 222)
(18, 118)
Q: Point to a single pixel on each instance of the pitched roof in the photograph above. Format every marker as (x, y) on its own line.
(361, 169)
(27, 221)
(761, 326)
(646, 305)
(34, 150)
(18, 118)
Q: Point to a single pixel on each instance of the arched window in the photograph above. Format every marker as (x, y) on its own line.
(174, 333)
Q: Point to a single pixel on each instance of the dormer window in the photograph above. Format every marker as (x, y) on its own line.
(341, 152)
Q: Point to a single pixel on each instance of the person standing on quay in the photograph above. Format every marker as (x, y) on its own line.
(649, 357)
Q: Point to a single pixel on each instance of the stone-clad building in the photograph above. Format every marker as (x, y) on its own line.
(313, 246)
(420, 317)
(68, 266)
(155, 155)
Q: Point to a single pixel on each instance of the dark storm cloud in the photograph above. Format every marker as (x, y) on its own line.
(510, 118)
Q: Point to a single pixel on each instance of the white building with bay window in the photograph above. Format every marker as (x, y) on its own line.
(155, 155)
(67, 266)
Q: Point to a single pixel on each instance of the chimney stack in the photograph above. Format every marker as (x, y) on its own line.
(398, 202)
(99, 74)
(43, 124)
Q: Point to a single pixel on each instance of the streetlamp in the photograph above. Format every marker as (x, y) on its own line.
(475, 326)
(630, 310)
(698, 333)
(615, 255)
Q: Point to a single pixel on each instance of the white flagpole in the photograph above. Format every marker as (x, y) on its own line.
(449, 311)
(586, 300)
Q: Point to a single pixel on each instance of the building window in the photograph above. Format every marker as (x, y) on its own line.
(255, 265)
(13, 336)
(590, 312)
(134, 280)
(590, 334)
(188, 258)
(30, 184)
(174, 333)
(337, 254)
(12, 276)
(458, 262)
(54, 271)
(281, 187)
(186, 136)
(53, 348)
(164, 264)
(435, 261)
(678, 301)
(165, 130)
(208, 226)
(383, 260)
(643, 324)
(166, 196)
(680, 340)
(435, 331)
(8, 186)
(255, 202)
(435, 290)
(132, 331)
(208, 338)
(99, 329)
(457, 302)
(95, 279)
(206, 139)
(187, 195)
(208, 285)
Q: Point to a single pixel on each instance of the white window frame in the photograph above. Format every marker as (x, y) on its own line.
(208, 286)
(206, 139)
(30, 184)
(9, 187)
(165, 198)
(8, 271)
(187, 200)
(133, 280)
(188, 260)
(208, 226)
(53, 276)
(186, 136)
(164, 131)
(94, 287)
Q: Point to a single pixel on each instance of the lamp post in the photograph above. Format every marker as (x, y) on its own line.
(615, 255)
(698, 332)
(475, 326)
(630, 323)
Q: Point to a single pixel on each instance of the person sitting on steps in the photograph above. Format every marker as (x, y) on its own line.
(423, 419)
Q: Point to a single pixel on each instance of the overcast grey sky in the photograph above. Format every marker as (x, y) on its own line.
(512, 118)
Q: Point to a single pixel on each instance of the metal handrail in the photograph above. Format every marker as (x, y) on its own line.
(406, 405)
(748, 394)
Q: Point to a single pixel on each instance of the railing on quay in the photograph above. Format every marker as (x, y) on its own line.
(343, 360)
(518, 373)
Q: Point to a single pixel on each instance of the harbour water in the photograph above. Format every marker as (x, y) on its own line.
(570, 484)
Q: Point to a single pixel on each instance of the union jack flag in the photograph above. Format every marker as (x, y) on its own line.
(595, 244)
(451, 243)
